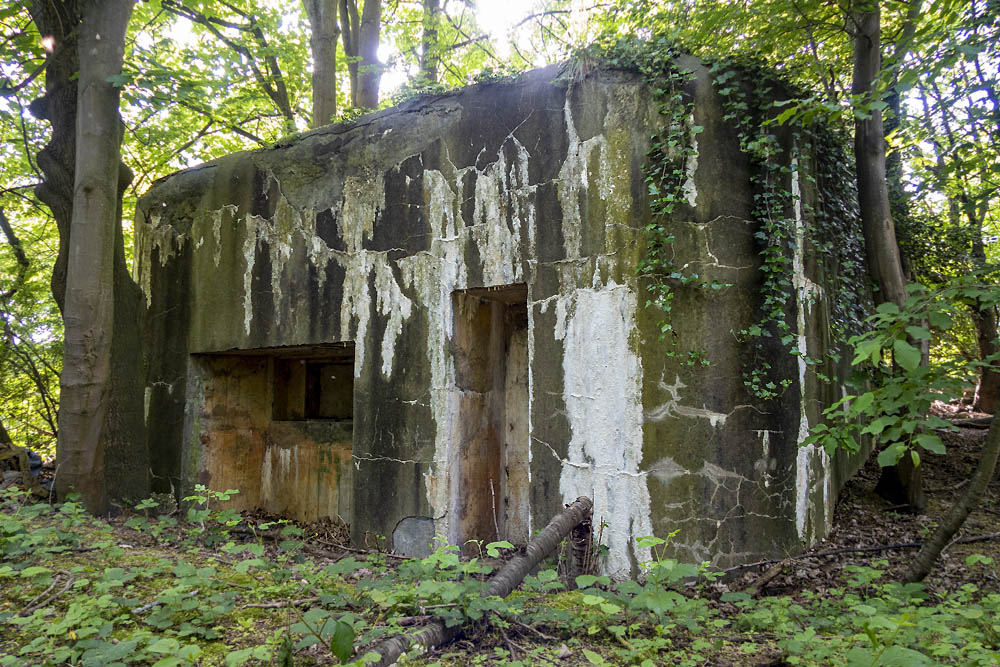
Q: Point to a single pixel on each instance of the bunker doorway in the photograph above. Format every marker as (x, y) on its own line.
(277, 424)
(491, 374)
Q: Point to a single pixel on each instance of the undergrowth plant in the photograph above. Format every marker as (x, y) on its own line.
(897, 391)
(75, 591)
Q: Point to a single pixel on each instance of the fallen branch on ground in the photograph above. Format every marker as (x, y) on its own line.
(976, 422)
(41, 600)
(281, 604)
(501, 585)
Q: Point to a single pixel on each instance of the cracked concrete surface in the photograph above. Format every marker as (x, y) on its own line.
(381, 233)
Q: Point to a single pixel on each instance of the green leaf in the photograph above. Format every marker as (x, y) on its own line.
(906, 355)
(888, 308)
(939, 320)
(342, 642)
(862, 403)
(919, 333)
(168, 662)
(890, 455)
(930, 442)
(164, 645)
(34, 571)
(594, 658)
(493, 548)
(879, 425)
(868, 349)
(785, 115)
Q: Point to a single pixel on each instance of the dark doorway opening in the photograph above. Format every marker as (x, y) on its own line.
(491, 375)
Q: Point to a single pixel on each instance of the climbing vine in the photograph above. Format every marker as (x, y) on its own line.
(779, 132)
(664, 173)
(759, 111)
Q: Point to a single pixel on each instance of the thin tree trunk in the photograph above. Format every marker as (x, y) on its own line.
(903, 481)
(928, 554)
(869, 151)
(988, 388)
(984, 316)
(349, 25)
(501, 585)
(325, 31)
(370, 72)
(429, 52)
(4, 436)
(89, 306)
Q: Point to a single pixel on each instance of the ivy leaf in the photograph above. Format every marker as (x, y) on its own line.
(906, 355)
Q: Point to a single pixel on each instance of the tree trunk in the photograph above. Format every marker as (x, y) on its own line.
(869, 152)
(349, 25)
(429, 52)
(370, 72)
(988, 388)
(901, 483)
(88, 311)
(501, 585)
(126, 459)
(924, 561)
(325, 31)
(984, 316)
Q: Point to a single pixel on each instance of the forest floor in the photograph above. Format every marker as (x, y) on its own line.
(155, 590)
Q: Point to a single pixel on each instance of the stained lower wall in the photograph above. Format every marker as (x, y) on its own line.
(480, 251)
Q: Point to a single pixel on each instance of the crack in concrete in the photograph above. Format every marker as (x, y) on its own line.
(379, 459)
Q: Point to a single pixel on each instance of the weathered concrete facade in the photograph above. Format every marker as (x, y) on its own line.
(430, 321)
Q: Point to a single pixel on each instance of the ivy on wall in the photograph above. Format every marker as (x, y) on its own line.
(777, 138)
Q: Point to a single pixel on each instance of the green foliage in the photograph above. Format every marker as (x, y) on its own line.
(104, 605)
(894, 410)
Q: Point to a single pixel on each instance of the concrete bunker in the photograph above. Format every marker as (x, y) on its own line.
(482, 249)
(277, 425)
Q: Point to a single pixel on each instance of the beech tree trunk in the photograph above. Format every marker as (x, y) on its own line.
(901, 483)
(922, 564)
(89, 306)
(370, 73)
(361, 33)
(869, 151)
(325, 31)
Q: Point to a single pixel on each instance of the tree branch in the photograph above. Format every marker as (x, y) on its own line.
(19, 256)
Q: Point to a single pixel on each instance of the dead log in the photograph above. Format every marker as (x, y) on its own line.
(501, 585)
